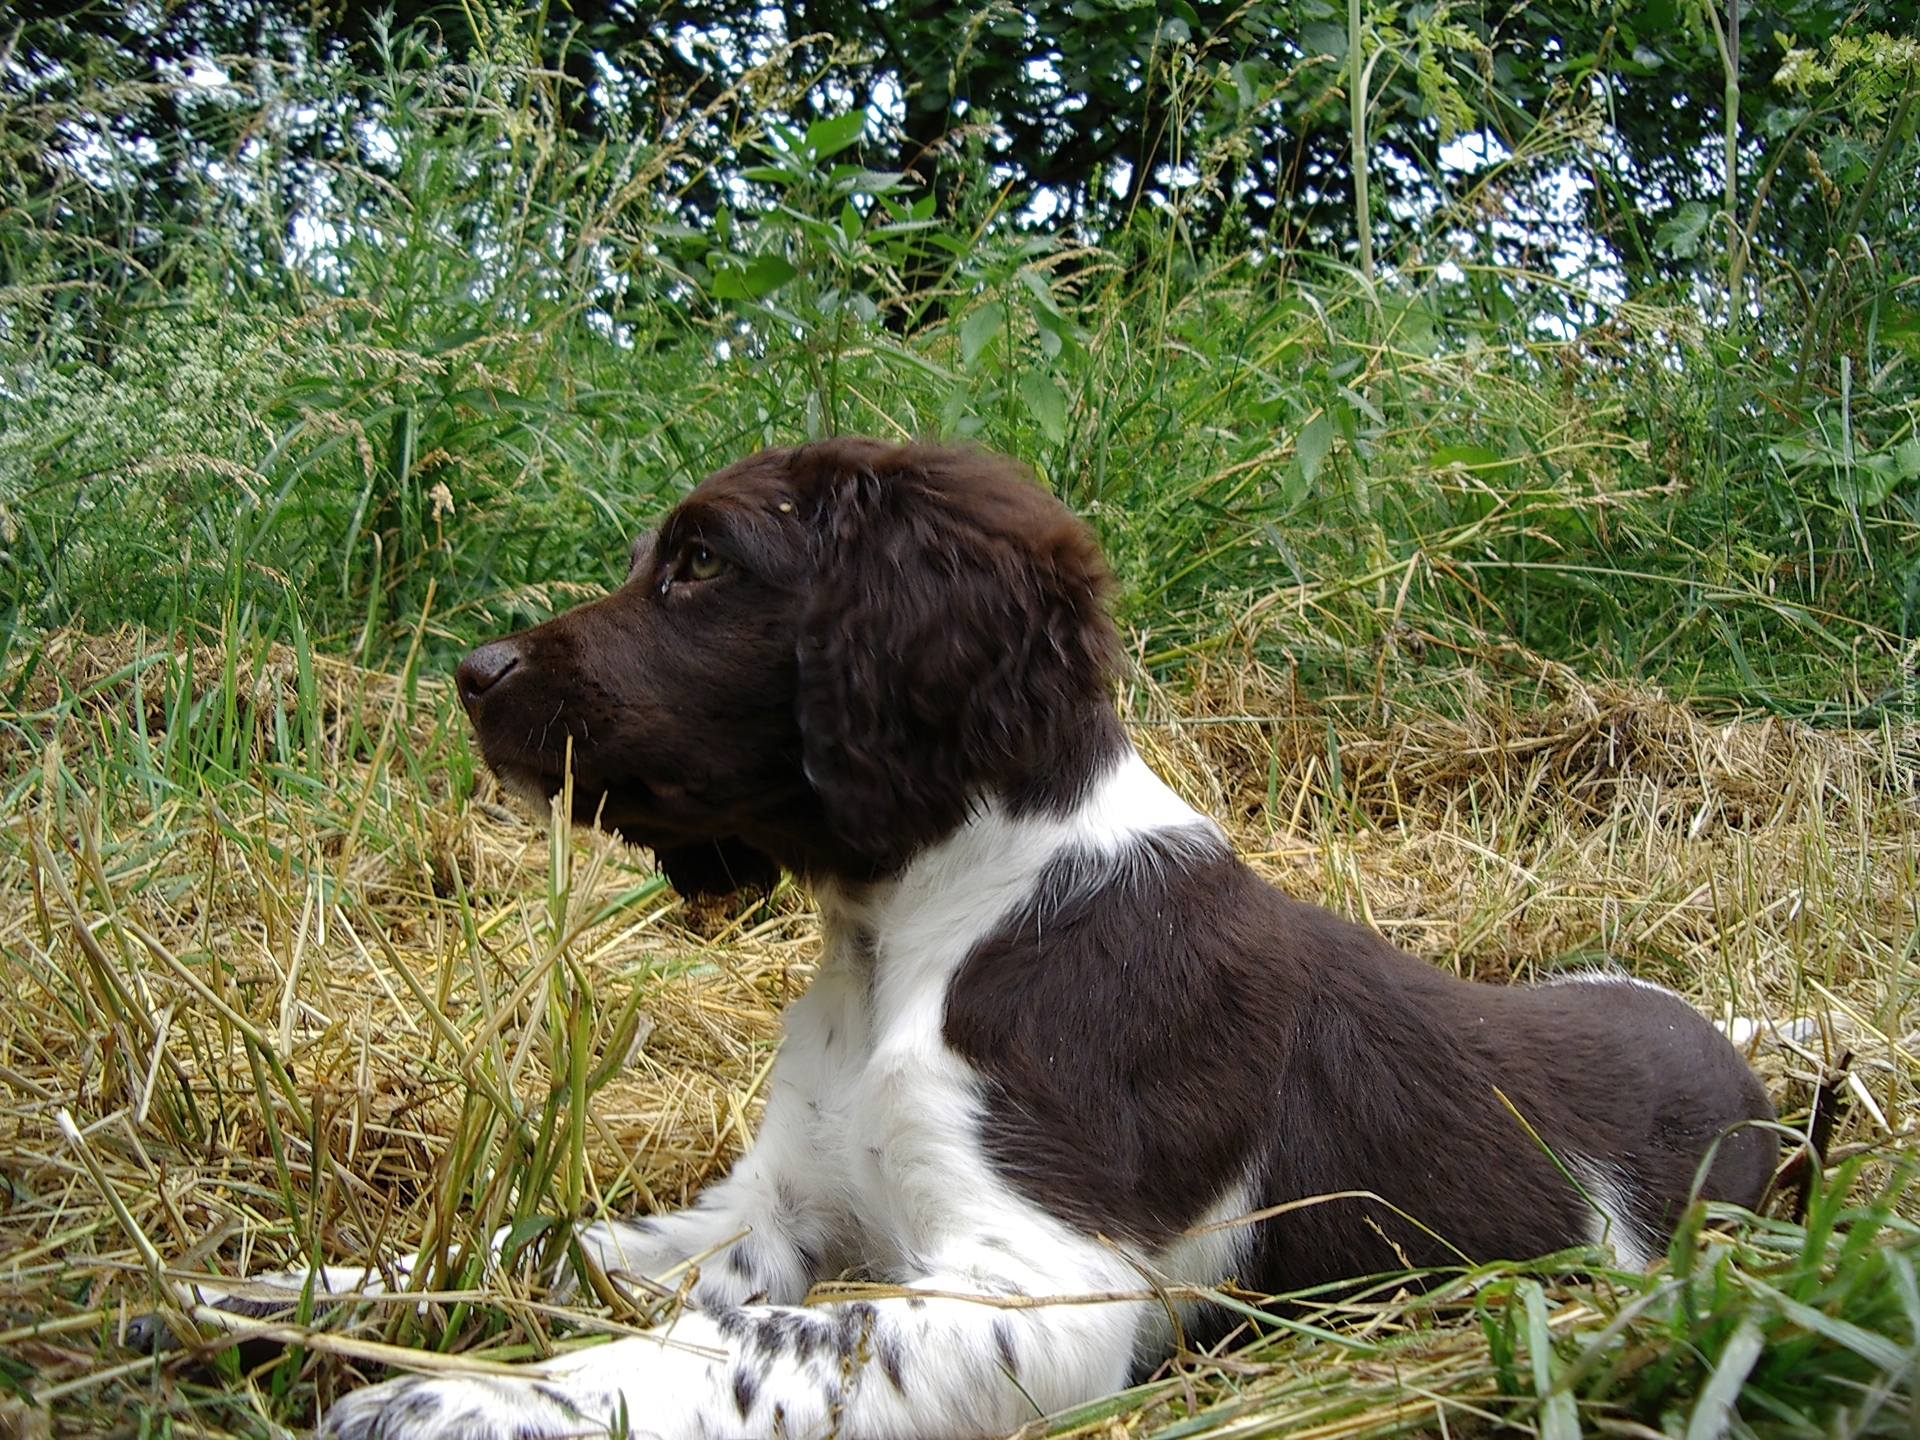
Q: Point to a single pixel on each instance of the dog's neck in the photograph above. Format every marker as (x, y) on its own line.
(1077, 749)
(952, 894)
(1046, 771)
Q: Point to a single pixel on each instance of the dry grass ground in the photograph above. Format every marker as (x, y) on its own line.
(305, 987)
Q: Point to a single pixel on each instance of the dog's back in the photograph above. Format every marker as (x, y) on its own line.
(1509, 1121)
(1176, 1038)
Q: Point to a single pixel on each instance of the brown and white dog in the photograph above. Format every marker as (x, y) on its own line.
(1059, 1034)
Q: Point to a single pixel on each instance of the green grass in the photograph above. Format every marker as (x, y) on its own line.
(518, 351)
(1793, 1323)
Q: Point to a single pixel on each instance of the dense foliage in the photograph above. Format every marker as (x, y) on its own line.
(1098, 105)
(307, 332)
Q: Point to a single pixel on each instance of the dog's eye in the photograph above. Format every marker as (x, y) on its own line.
(700, 563)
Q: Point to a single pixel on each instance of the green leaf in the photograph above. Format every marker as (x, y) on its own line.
(525, 1229)
(1488, 464)
(830, 137)
(1358, 402)
(1876, 1350)
(1802, 452)
(1900, 325)
(1036, 284)
(1243, 91)
(1868, 482)
(853, 180)
(763, 275)
(1327, 40)
(1293, 489)
(1472, 457)
(977, 329)
(1680, 237)
(1713, 1411)
(1046, 404)
(1316, 439)
(1411, 327)
(1560, 1417)
(614, 1056)
(1559, 1414)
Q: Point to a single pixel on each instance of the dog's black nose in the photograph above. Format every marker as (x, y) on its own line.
(484, 669)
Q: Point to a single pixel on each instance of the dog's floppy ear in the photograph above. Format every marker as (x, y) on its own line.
(717, 867)
(954, 639)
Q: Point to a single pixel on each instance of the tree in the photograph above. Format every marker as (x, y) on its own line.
(1100, 106)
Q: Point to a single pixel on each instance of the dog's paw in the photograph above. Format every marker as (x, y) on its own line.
(150, 1333)
(474, 1407)
(1744, 1032)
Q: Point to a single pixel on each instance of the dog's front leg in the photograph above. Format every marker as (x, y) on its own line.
(763, 1233)
(782, 1218)
(966, 1353)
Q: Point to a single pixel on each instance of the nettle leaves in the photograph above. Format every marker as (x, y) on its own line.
(1682, 235)
(1327, 418)
(751, 278)
(814, 250)
(843, 228)
(1856, 477)
(1019, 349)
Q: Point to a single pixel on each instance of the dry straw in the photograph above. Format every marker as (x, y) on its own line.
(285, 978)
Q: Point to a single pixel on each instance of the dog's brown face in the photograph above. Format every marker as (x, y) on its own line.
(819, 660)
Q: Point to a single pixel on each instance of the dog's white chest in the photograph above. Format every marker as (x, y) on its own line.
(891, 1114)
(895, 1115)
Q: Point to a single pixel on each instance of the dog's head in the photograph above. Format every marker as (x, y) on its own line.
(820, 659)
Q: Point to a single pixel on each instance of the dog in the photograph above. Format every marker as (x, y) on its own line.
(1063, 1050)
